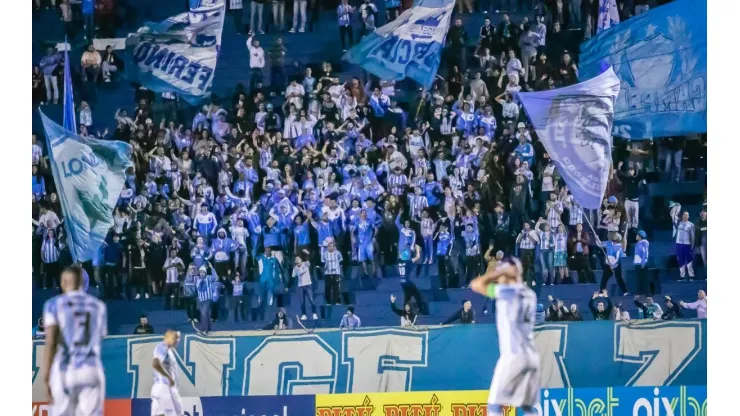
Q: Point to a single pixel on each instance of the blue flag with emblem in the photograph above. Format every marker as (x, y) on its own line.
(410, 46)
(574, 124)
(68, 119)
(179, 54)
(660, 58)
(89, 175)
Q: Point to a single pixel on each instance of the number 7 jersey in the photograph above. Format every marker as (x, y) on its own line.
(83, 322)
(516, 305)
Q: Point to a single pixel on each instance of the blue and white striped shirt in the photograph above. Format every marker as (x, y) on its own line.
(397, 183)
(167, 358)
(576, 214)
(417, 203)
(82, 321)
(205, 288)
(50, 250)
(546, 240)
(560, 242)
(344, 15)
(527, 242)
(332, 262)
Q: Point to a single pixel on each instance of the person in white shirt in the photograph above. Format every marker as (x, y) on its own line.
(294, 94)
(256, 61)
(86, 115)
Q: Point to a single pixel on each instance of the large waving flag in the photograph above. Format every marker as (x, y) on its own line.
(69, 120)
(575, 124)
(410, 46)
(608, 15)
(89, 176)
(179, 54)
(660, 58)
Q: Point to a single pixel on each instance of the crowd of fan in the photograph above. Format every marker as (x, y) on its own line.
(265, 193)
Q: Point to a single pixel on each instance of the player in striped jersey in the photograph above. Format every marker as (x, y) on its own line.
(75, 326)
(516, 379)
(165, 396)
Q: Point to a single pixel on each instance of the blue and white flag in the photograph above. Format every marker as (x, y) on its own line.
(410, 46)
(89, 176)
(574, 124)
(68, 119)
(660, 58)
(608, 15)
(179, 54)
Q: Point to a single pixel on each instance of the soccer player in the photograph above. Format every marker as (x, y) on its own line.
(75, 326)
(165, 397)
(516, 379)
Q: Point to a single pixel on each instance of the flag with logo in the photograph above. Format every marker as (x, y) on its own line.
(89, 175)
(660, 57)
(574, 124)
(410, 46)
(179, 54)
(608, 15)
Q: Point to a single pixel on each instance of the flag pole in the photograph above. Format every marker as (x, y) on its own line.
(68, 122)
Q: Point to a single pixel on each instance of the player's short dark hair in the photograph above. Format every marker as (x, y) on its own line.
(143, 315)
(351, 309)
(76, 271)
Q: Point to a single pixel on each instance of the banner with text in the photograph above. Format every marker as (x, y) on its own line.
(179, 54)
(581, 354)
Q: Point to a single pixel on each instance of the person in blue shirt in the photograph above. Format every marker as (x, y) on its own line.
(270, 272)
(406, 243)
(525, 151)
(38, 185)
(614, 252)
(642, 254)
(221, 247)
(444, 246)
(364, 235)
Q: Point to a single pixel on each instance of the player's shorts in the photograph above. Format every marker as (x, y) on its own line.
(365, 252)
(165, 400)
(516, 381)
(78, 392)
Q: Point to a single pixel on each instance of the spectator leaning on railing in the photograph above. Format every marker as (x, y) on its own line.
(700, 305)
(601, 306)
(350, 320)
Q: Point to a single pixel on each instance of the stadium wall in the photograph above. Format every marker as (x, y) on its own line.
(574, 355)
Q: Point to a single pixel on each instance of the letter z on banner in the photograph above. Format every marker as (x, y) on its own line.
(575, 124)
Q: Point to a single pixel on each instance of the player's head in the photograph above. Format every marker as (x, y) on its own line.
(516, 265)
(71, 278)
(171, 338)
(467, 305)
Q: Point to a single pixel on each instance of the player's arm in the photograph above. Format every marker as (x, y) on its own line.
(52, 335)
(486, 284)
(159, 355)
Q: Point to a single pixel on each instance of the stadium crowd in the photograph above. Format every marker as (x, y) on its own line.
(295, 181)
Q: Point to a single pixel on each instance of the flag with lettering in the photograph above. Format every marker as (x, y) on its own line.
(574, 124)
(89, 175)
(660, 57)
(179, 54)
(410, 46)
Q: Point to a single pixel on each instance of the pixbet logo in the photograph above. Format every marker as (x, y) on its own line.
(660, 406)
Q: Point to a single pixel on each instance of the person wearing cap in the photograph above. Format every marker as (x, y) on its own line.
(614, 252)
(641, 257)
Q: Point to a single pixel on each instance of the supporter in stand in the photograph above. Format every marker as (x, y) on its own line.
(328, 168)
